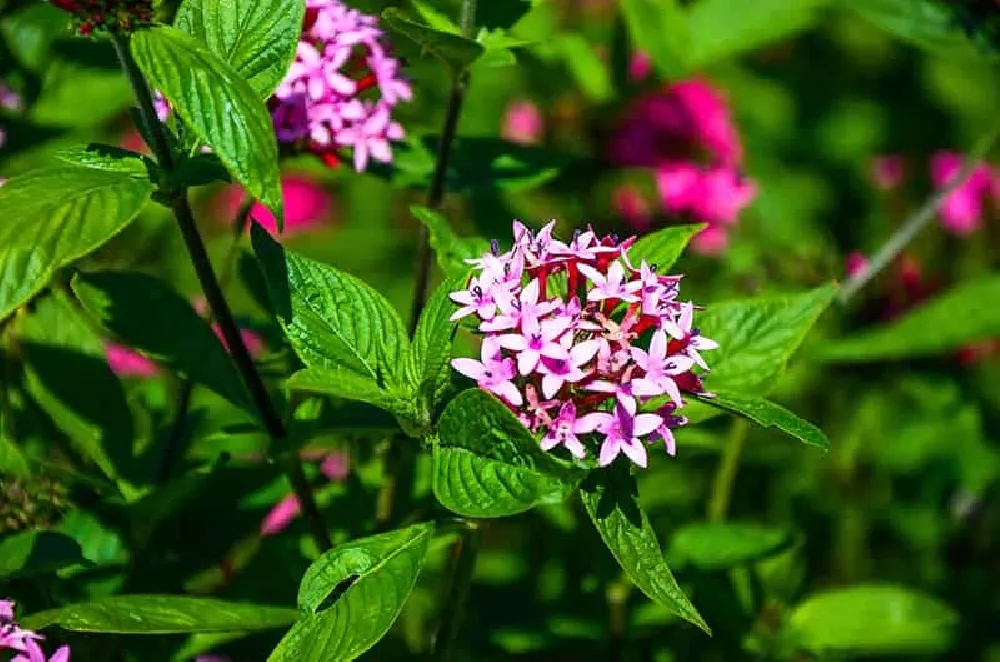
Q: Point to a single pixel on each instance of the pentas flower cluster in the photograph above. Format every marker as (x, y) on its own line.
(685, 135)
(577, 341)
(341, 89)
(24, 643)
(108, 15)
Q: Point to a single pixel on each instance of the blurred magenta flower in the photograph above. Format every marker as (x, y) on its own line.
(962, 211)
(24, 643)
(887, 171)
(335, 466)
(629, 203)
(523, 122)
(341, 88)
(9, 100)
(685, 134)
(855, 263)
(212, 658)
(640, 66)
(126, 362)
(713, 240)
(307, 205)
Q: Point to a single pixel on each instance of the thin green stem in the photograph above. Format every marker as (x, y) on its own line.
(725, 475)
(465, 552)
(917, 221)
(216, 300)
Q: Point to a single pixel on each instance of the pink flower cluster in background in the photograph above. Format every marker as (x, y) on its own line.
(341, 88)
(307, 205)
(963, 211)
(564, 352)
(523, 122)
(685, 135)
(24, 643)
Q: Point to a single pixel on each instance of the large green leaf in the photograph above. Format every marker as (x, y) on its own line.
(428, 367)
(874, 620)
(610, 497)
(52, 217)
(220, 107)
(945, 323)
(146, 314)
(487, 464)
(721, 545)
(351, 385)
(757, 336)
(450, 249)
(162, 614)
(454, 50)
(381, 572)
(333, 320)
(722, 29)
(257, 37)
(663, 247)
(926, 23)
(768, 414)
(660, 29)
(32, 553)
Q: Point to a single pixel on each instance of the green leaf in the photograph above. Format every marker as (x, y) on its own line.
(924, 23)
(590, 72)
(32, 553)
(199, 169)
(610, 497)
(487, 464)
(942, 324)
(146, 314)
(69, 377)
(757, 336)
(111, 158)
(218, 105)
(350, 385)
(379, 572)
(874, 620)
(12, 460)
(660, 29)
(503, 14)
(722, 545)
(256, 37)
(770, 415)
(428, 366)
(53, 217)
(722, 29)
(663, 247)
(450, 250)
(162, 614)
(455, 51)
(333, 320)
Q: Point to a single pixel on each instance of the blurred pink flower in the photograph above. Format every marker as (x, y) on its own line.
(640, 66)
(252, 339)
(280, 516)
(631, 205)
(887, 171)
(713, 240)
(962, 211)
(723, 193)
(678, 184)
(307, 205)
(212, 658)
(336, 466)
(126, 362)
(523, 122)
(855, 263)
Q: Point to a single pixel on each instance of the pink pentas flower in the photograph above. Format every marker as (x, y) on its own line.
(126, 362)
(962, 212)
(582, 341)
(341, 89)
(523, 122)
(25, 644)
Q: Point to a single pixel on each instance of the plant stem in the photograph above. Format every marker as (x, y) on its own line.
(917, 221)
(216, 300)
(722, 488)
(466, 551)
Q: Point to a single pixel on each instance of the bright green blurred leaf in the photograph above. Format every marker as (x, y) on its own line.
(220, 107)
(874, 620)
(925, 23)
(769, 415)
(162, 614)
(333, 320)
(611, 499)
(53, 217)
(146, 314)
(455, 51)
(31, 553)
(257, 37)
(721, 545)
(944, 323)
(659, 28)
(757, 336)
(381, 571)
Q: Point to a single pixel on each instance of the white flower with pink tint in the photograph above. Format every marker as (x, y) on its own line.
(572, 327)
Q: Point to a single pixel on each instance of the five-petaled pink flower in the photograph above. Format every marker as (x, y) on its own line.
(22, 642)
